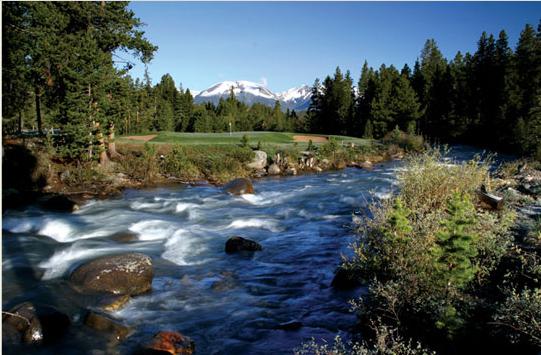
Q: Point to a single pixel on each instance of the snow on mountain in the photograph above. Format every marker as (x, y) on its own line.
(250, 93)
(296, 98)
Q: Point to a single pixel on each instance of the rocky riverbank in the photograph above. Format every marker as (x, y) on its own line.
(32, 173)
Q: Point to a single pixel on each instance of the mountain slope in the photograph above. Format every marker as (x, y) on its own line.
(250, 93)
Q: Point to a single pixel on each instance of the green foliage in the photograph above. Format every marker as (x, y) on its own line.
(244, 141)
(429, 255)
(455, 245)
(387, 342)
(518, 317)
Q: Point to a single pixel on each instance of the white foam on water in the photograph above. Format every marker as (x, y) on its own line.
(59, 230)
(383, 195)
(153, 229)
(183, 206)
(268, 224)
(15, 225)
(138, 205)
(348, 199)
(60, 261)
(182, 247)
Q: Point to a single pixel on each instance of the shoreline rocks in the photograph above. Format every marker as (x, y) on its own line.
(126, 274)
(259, 161)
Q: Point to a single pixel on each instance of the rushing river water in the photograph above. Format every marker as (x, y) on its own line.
(229, 304)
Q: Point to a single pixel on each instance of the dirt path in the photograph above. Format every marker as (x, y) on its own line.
(142, 138)
(315, 139)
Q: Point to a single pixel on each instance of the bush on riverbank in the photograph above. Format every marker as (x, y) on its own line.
(443, 270)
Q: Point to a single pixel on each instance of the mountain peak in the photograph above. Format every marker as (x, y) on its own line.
(250, 93)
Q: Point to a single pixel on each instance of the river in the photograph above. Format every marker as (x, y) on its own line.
(229, 304)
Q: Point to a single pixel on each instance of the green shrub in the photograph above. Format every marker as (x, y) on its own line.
(244, 141)
(386, 341)
(428, 253)
(519, 317)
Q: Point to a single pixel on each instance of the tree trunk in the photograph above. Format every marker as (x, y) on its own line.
(38, 109)
(111, 142)
(20, 123)
(104, 160)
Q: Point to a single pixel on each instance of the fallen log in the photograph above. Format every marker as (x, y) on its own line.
(492, 201)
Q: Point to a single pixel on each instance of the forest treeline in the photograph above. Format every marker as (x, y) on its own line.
(490, 98)
(63, 66)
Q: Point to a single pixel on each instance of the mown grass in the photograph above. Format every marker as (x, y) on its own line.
(276, 138)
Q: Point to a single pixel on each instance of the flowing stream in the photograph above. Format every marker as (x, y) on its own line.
(229, 304)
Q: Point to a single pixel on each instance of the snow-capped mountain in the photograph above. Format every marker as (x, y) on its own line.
(248, 92)
(296, 98)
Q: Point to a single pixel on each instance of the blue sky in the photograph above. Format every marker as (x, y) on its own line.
(286, 44)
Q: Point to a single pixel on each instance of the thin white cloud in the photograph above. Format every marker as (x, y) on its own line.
(264, 81)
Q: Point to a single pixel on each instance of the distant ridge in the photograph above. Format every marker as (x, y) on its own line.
(250, 93)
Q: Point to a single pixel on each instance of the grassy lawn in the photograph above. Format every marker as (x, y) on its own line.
(274, 138)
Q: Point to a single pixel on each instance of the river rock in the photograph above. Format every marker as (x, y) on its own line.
(129, 274)
(291, 171)
(345, 279)
(236, 244)
(239, 186)
(124, 237)
(112, 303)
(366, 165)
(274, 169)
(104, 323)
(168, 342)
(60, 203)
(259, 161)
(33, 324)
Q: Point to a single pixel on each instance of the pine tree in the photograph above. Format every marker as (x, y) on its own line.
(456, 244)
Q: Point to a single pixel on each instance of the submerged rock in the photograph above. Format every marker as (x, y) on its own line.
(129, 274)
(259, 162)
(124, 237)
(60, 203)
(291, 325)
(239, 186)
(168, 342)
(236, 244)
(104, 323)
(112, 303)
(33, 324)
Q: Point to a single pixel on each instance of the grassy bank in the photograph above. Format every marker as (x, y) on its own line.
(446, 270)
(168, 157)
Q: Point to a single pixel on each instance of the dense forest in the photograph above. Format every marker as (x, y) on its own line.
(62, 68)
(490, 98)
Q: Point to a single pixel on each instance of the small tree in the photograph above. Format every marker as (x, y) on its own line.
(244, 141)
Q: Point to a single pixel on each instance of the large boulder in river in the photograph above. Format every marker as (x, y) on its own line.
(168, 342)
(33, 324)
(236, 244)
(128, 274)
(259, 161)
(239, 186)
